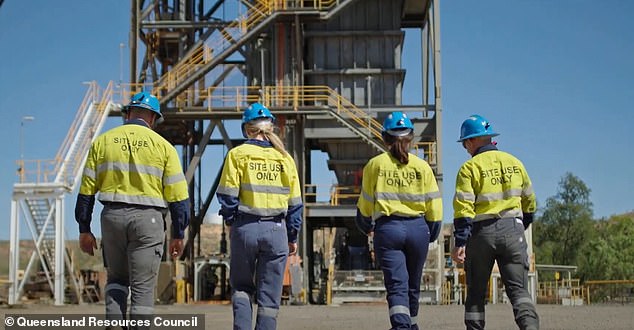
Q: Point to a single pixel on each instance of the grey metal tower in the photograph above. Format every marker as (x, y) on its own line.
(329, 69)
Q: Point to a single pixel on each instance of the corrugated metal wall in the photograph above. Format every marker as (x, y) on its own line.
(364, 40)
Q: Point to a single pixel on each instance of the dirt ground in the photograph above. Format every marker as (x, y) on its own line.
(374, 316)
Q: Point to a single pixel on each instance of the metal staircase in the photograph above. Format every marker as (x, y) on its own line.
(206, 56)
(38, 198)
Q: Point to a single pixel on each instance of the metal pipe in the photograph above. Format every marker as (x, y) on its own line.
(134, 35)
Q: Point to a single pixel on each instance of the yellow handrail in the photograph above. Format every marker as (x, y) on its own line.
(292, 96)
(228, 35)
(36, 170)
(599, 282)
(339, 193)
(336, 195)
(238, 97)
(203, 54)
(426, 150)
(556, 290)
(609, 290)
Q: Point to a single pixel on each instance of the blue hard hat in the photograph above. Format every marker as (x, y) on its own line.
(147, 101)
(253, 112)
(397, 124)
(256, 111)
(475, 126)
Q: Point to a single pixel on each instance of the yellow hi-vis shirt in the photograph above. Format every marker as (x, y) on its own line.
(135, 165)
(264, 180)
(492, 185)
(391, 188)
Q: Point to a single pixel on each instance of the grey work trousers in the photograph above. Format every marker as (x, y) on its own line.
(500, 240)
(133, 239)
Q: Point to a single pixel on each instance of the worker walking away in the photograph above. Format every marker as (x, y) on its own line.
(494, 203)
(260, 199)
(138, 176)
(401, 205)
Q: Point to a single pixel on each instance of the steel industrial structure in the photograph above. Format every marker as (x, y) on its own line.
(330, 70)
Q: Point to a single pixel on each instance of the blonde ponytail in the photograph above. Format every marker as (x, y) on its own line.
(266, 128)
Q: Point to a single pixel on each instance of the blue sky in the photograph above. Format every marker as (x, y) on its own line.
(555, 78)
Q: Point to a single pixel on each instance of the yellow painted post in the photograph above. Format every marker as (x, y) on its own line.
(331, 265)
(329, 280)
(180, 283)
(588, 294)
(180, 291)
(490, 289)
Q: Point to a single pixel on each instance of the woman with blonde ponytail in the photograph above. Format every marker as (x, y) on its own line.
(400, 205)
(265, 129)
(260, 199)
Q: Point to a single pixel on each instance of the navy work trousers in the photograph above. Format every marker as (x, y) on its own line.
(503, 241)
(401, 247)
(258, 258)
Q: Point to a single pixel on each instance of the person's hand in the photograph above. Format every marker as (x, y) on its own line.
(88, 243)
(292, 249)
(176, 247)
(458, 254)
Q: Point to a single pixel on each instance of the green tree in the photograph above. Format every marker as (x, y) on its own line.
(565, 224)
(611, 255)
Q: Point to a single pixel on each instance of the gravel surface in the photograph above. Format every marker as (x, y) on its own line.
(374, 316)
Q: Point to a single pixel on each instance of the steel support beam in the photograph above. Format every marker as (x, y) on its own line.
(437, 88)
(59, 251)
(14, 253)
